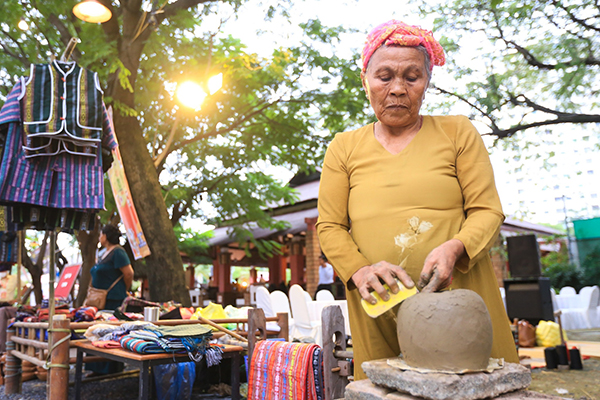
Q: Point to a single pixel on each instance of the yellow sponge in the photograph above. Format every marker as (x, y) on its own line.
(375, 310)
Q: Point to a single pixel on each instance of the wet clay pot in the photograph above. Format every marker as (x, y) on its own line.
(449, 331)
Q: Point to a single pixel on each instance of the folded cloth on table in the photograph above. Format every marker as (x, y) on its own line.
(140, 345)
(107, 344)
(43, 313)
(190, 339)
(126, 328)
(85, 314)
(281, 370)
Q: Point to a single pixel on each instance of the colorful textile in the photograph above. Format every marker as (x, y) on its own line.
(84, 314)
(283, 370)
(107, 344)
(400, 34)
(140, 345)
(9, 243)
(61, 106)
(62, 181)
(152, 341)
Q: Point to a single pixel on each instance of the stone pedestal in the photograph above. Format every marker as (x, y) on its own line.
(479, 385)
(365, 390)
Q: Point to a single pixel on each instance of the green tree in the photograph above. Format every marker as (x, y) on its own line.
(591, 267)
(520, 65)
(266, 114)
(561, 272)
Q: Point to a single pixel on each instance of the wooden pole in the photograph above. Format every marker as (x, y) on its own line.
(19, 262)
(58, 384)
(222, 329)
(12, 372)
(52, 272)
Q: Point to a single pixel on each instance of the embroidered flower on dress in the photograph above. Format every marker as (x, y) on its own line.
(407, 240)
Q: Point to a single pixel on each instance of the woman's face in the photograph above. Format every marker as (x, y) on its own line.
(103, 240)
(395, 82)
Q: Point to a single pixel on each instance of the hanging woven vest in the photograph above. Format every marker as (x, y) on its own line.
(61, 105)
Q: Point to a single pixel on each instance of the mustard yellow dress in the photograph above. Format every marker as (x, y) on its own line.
(376, 206)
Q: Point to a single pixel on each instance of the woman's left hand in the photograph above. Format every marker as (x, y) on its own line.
(439, 264)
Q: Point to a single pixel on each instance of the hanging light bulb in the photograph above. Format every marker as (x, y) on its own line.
(92, 11)
(23, 25)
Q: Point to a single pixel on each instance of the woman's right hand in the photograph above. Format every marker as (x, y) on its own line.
(369, 277)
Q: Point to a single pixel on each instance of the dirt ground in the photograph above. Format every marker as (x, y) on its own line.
(582, 384)
(575, 384)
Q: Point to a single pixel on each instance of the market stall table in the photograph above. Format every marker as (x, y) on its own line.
(145, 361)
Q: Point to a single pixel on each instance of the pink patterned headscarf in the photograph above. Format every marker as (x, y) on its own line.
(400, 34)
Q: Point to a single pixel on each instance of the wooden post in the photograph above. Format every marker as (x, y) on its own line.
(58, 382)
(256, 321)
(19, 262)
(297, 261)
(283, 322)
(313, 252)
(12, 372)
(334, 340)
(52, 273)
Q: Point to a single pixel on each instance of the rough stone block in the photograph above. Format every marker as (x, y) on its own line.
(471, 386)
(365, 390)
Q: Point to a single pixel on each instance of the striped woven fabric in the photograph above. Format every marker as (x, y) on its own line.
(138, 345)
(283, 370)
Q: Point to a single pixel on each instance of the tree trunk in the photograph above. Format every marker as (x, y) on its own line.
(88, 243)
(36, 269)
(165, 268)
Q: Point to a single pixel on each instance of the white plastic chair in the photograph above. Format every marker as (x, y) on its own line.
(585, 317)
(281, 304)
(303, 325)
(263, 300)
(325, 295)
(306, 296)
(567, 291)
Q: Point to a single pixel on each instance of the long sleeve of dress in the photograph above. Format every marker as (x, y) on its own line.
(482, 205)
(333, 225)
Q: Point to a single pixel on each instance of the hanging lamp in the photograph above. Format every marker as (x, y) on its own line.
(92, 11)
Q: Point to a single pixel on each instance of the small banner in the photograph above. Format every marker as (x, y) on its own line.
(122, 194)
(67, 280)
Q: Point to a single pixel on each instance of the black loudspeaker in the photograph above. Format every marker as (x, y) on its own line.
(524, 257)
(529, 299)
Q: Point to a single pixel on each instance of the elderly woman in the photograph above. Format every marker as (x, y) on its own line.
(409, 197)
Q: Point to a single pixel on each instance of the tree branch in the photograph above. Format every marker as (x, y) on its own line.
(574, 18)
(521, 100)
(65, 35)
(473, 105)
(111, 27)
(177, 213)
(565, 119)
(23, 61)
(174, 8)
(216, 132)
(23, 57)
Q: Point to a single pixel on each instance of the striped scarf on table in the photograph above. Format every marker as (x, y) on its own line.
(283, 370)
(150, 340)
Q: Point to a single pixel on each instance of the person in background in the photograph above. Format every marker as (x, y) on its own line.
(113, 266)
(325, 275)
(408, 198)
